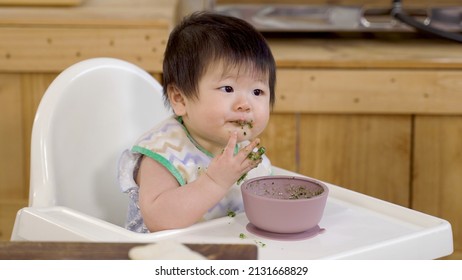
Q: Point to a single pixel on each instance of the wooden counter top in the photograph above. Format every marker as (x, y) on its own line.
(159, 13)
(366, 53)
(50, 39)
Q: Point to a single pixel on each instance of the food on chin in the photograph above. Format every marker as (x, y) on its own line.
(245, 124)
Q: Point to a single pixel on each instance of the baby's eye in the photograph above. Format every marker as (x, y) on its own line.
(227, 89)
(257, 92)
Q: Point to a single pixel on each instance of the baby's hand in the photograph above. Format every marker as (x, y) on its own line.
(227, 168)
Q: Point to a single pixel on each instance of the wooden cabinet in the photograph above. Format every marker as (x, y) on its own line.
(437, 171)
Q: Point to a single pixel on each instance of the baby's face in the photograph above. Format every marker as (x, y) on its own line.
(235, 99)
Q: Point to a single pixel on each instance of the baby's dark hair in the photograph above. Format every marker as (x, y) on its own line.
(205, 37)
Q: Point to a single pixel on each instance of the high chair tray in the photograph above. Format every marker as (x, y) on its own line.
(355, 226)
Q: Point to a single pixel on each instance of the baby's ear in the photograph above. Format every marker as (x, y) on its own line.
(177, 100)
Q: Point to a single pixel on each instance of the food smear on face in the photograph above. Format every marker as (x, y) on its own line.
(245, 124)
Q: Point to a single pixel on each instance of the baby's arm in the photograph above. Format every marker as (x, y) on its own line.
(165, 205)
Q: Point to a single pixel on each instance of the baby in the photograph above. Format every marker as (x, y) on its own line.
(218, 77)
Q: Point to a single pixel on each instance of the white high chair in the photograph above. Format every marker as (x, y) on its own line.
(96, 108)
(88, 115)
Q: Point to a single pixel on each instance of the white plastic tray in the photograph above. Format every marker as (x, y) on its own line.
(356, 227)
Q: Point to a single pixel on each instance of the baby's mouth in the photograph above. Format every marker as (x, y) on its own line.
(244, 123)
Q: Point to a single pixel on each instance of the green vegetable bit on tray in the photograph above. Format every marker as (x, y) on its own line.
(231, 213)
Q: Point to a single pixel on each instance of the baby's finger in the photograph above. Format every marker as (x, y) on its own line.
(249, 148)
(229, 149)
(251, 164)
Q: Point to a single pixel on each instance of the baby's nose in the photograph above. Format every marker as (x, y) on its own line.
(243, 108)
(242, 104)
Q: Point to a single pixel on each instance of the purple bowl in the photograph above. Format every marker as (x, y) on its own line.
(284, 204)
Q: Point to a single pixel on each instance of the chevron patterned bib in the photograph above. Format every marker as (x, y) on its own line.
(170, 144)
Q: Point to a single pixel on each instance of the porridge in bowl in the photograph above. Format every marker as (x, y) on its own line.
(284, 204)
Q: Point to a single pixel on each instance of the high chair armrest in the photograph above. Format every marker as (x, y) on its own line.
(65, 224)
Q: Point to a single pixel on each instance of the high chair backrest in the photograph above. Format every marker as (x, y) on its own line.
(89, 114)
